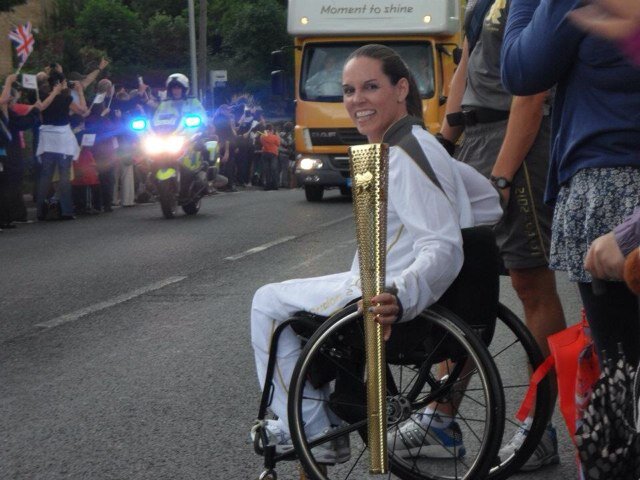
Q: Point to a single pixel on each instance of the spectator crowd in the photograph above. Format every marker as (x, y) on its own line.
(86, 158)
(557, 135)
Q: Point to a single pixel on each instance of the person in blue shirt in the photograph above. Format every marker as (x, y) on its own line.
(594, 177)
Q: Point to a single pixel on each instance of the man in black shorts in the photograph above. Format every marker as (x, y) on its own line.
(507, 139)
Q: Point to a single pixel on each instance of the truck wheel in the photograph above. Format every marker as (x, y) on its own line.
(313, 193)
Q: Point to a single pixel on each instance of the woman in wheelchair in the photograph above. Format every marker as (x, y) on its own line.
(424, 253)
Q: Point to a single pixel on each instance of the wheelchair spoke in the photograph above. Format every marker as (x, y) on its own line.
(522, 385)
(500, 352)
(515, 367)
(341, 367)
(356, 462)
(441, 373)
(402, 389)
(474, 400)
(342, 404)
(426, 429)
(313, 399)
(470, 427)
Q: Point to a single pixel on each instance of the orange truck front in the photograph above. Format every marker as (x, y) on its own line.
(426, 33)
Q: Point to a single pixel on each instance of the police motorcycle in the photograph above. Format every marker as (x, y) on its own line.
(172, 142)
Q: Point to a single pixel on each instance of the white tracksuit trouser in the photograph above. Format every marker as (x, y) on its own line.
(275, 303)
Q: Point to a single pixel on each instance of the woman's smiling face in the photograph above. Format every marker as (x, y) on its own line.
(372, 101)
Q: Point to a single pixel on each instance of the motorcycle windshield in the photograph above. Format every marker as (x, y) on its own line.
(166, 122)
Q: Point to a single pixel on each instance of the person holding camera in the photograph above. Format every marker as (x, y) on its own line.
(86, 80)
(57, 145)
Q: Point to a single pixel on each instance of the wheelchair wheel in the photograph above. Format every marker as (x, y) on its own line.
(516, 354)
(456, 368)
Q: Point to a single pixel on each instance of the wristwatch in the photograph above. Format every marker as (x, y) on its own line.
(500, 182)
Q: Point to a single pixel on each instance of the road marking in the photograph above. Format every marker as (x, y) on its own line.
(333, 222)
(260, 248)
(70, 317)
(307, 263)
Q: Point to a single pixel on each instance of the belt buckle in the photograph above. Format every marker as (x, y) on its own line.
(470, 117)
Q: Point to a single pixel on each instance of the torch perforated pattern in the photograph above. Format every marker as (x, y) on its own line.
(369, 174)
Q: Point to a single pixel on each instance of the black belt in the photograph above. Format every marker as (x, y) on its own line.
(476, 115)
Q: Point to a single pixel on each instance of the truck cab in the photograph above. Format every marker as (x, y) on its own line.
(424, 32)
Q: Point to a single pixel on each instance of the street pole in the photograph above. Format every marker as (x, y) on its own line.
(192, 48)
(202, 50)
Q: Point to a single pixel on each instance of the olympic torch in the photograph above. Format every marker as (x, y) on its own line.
(369, 174)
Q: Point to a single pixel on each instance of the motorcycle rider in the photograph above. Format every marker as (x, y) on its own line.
(172, 110)
(178, 103)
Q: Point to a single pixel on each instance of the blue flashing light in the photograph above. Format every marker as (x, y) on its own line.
(192, 121)
(138, 124)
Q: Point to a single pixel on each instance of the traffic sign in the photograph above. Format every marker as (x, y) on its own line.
(218, 78)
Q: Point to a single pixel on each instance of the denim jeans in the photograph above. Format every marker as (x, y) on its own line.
(49, 163)
(107, 176)
(271, 170)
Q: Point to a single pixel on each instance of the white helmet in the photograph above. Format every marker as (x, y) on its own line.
(179, 80)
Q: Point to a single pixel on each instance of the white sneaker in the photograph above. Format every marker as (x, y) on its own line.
(335, 451)
(546, 453)
(418, 437)
(275, 435)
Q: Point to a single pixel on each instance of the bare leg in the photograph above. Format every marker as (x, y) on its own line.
(536, 288)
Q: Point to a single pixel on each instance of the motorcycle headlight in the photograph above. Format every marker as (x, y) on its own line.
(174, 143)
(156, 145)
(138, 124)
(152, 145)
(310, 164)
(192, 121)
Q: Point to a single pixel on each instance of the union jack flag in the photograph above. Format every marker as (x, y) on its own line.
(22, 37)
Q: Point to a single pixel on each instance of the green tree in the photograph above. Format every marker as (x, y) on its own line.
(146, 9)
(111, 26)
(7, 5)
(252, 31)
(215, 12)
(64, 14)
(166, 41)
(151, 37)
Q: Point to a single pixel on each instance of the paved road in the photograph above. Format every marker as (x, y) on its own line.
(124, 338)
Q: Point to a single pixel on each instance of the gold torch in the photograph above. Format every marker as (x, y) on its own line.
(369, 174)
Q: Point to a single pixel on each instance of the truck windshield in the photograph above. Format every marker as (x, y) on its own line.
(321, 76)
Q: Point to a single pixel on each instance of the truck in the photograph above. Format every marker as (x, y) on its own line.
(426, 34)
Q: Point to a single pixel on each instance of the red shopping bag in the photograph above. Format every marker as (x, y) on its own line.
(577, 369)
(85, 170)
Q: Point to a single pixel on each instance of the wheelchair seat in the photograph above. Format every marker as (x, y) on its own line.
(473, 296)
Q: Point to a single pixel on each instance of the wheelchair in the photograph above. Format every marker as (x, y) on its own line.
(458, 354)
